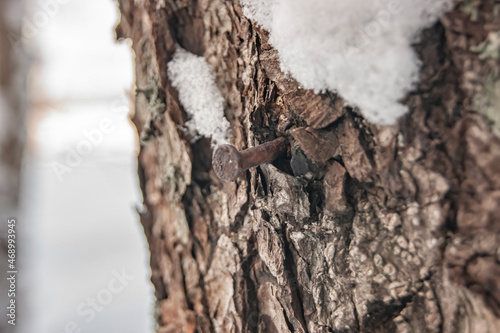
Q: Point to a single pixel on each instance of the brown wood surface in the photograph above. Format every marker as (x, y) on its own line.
(360, 228)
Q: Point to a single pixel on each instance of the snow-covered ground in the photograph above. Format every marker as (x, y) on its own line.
(86, 262)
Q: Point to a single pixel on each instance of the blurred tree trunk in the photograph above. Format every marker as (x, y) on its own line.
(361, 228)
(11, 141)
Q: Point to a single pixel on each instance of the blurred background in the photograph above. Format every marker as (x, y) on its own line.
(68, 171)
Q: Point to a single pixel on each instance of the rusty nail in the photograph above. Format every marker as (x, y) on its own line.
(229, 163)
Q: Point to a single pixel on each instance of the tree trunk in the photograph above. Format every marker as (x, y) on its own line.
(12, 110)
(361, 227)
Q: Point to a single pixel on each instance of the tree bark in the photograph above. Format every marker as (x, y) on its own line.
(361, 228)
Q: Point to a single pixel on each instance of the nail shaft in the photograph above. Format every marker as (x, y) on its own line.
(229, 163)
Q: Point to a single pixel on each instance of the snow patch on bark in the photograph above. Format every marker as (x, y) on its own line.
(358, 48)
(260, 11)
(194, 79)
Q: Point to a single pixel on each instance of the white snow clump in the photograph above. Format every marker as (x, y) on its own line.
(358, 48)
(193, 78)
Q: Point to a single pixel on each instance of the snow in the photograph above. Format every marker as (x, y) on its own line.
(358, 48)
(194, 79)
(260, 11)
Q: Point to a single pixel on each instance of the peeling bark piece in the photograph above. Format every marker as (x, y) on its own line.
(334, 185)
(343, 141)
(317, 110)
(353, 153)
(319, 146)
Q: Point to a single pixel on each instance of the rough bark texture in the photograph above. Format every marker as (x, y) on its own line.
(361, 227)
